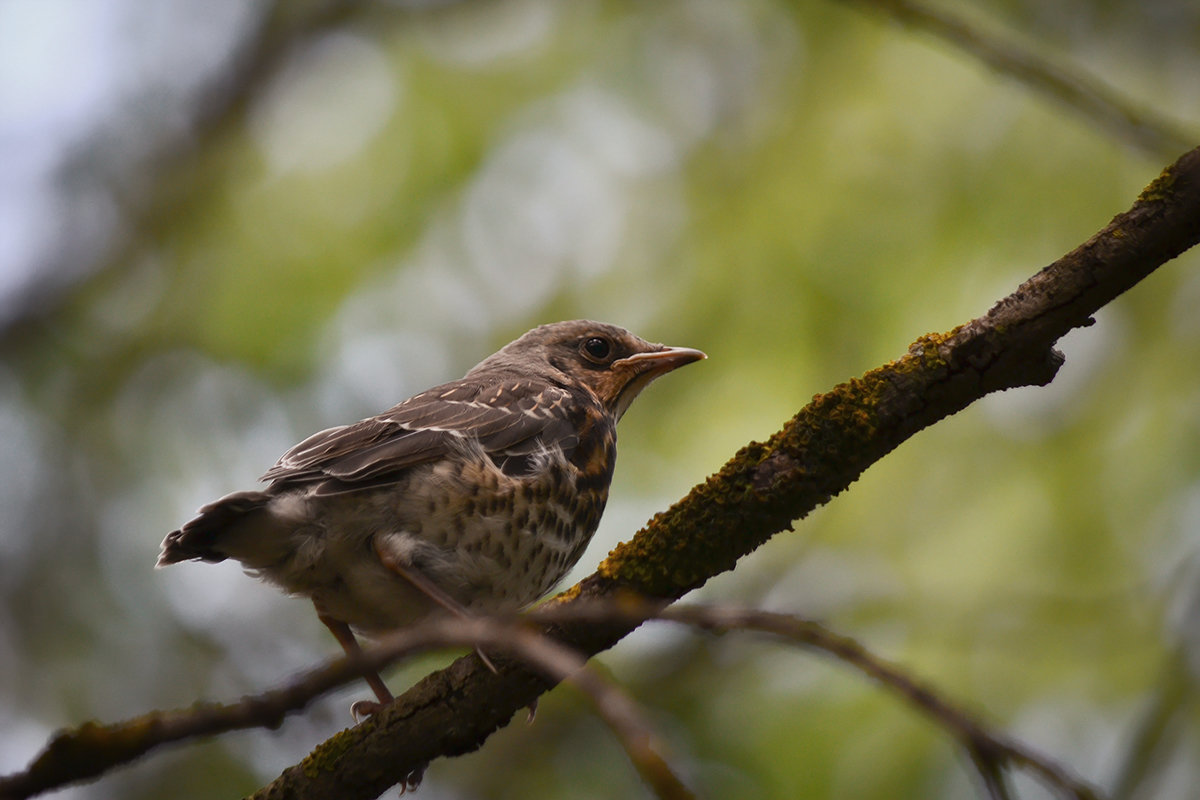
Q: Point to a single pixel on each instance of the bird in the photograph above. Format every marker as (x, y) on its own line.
(475, 496)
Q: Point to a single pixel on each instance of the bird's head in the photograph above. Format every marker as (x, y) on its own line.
(609, 360)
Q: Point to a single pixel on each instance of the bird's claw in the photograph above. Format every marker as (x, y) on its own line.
(487, 662)
(362, 709)
(412, 780)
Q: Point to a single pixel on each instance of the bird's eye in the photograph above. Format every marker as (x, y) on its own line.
(596, 349)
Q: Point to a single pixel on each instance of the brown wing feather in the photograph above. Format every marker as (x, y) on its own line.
(508, 419)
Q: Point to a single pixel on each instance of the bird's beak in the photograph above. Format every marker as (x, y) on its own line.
(659, 362)
(642, 368)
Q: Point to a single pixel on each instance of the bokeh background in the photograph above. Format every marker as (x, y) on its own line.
(224, 225)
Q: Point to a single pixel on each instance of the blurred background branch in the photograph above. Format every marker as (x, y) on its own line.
(156, 182)
(1122, 117)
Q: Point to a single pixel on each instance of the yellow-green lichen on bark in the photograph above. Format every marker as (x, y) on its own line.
(1160, 188)
(92, 747)
(325, 758)
(671, 551)
(929, 349)
(566, 596)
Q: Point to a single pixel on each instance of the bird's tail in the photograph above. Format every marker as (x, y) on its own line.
(200, 538)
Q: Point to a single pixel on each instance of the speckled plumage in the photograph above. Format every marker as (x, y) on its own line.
(479, 494)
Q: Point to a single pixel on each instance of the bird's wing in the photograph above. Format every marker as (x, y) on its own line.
(508, 420)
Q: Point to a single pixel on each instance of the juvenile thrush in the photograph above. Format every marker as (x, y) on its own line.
(479, 494)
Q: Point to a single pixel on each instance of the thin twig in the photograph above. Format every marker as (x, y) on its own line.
(992, 749)
(616, 708)
(990, 752)
(92, 749)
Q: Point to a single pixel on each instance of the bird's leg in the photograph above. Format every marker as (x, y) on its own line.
(341, 631)
(430, 590)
